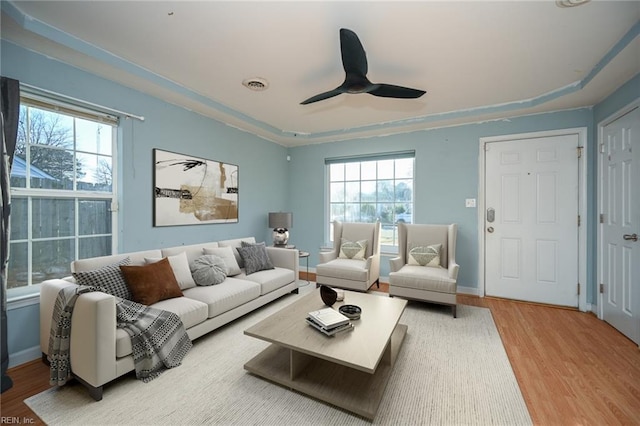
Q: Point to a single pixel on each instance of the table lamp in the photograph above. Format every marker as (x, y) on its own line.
(280, 222)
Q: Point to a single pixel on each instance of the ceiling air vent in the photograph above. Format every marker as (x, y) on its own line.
(570, 3)
(257, 84)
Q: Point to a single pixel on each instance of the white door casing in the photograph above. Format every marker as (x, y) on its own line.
(535, 185)
(619, 227)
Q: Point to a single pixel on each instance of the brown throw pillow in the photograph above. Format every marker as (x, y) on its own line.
(151, 283)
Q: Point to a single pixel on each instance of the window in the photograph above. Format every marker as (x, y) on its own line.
(366, 189)
(62, 191)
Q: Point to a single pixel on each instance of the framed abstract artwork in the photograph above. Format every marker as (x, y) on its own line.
(192, 191)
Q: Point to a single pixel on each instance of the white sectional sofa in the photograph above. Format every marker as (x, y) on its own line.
(100, 352)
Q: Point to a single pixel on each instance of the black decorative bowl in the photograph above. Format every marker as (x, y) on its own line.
(328, 295)
(350, 311)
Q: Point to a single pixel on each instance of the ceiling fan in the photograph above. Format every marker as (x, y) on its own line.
(354, 62)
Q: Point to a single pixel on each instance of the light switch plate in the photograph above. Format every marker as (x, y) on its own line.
(470, 202)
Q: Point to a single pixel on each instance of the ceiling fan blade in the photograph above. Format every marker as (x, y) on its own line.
(391, 91)
(354, 58)
(323, 96)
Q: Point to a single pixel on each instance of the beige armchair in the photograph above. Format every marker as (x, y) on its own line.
(350, 265)
(417, 273)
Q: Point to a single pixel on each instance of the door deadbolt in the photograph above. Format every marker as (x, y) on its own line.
(491, 214)
(490, 229)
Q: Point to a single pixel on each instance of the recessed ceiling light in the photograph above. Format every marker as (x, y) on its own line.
(571, 3)
(255, 83)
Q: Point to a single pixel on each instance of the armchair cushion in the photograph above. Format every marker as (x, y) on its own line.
(421, 278)
(425, 255)
(348, 269)
(352, 249)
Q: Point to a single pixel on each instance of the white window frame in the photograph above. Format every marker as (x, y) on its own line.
(386, 248)
(33, 98)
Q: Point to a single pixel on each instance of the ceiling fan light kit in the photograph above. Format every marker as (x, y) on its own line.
(354, 62)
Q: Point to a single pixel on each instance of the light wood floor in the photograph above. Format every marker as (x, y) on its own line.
(572, 368)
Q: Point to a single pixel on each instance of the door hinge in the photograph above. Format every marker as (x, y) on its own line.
(579, 151)
(578, 289)
(601, 288)
(601, 217)
(601, 148)
(578, 220)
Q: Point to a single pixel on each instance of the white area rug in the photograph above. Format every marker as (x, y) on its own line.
(449, 372)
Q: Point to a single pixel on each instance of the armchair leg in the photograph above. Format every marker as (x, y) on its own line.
(453, 310)
(378, 283)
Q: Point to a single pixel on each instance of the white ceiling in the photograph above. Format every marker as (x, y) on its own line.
(477, 60)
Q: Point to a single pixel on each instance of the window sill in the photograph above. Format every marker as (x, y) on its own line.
(20, 298)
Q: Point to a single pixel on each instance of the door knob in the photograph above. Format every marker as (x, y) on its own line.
(630, 237)
(490, 229)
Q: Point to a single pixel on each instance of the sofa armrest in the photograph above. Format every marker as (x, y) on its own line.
(49, 290)
(93, 338)
(285, 258)
(93, 332)
(395, 264)
(327, 256)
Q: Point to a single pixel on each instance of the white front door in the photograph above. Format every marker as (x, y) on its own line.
(619, 248)
(531, 219)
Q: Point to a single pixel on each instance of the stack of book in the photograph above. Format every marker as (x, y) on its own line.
(329, 321)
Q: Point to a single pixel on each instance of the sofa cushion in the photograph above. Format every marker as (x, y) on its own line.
(208, 269)
(270, 279)
(108, 278)
(225, 296)
(193, 251)
(255, 257)
(226, 253)
(89, 264)
(234, 244)
(181, 270)
(152, 282)
(425, 255)
(352, 249)
(191, 312)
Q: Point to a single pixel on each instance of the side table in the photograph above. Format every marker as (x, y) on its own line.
(305, 254)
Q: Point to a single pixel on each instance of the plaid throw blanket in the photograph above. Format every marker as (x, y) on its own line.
(158, 337)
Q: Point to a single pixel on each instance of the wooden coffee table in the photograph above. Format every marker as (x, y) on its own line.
(349, 370)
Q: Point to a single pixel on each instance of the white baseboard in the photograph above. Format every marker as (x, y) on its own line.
(468, 290)
(25, 355)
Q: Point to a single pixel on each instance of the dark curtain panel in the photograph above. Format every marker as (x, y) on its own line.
(10, 110)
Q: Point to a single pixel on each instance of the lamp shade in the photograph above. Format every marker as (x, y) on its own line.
(280, 220)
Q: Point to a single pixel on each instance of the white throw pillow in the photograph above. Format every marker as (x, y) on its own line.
(226, 254)
(353, 249)
(180, 265)
(425, 255)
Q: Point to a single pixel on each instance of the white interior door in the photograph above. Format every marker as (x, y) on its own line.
(619, 248)
(531, 219)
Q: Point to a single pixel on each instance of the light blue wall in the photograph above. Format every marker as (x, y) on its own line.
(263, 167)
(446, 173)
